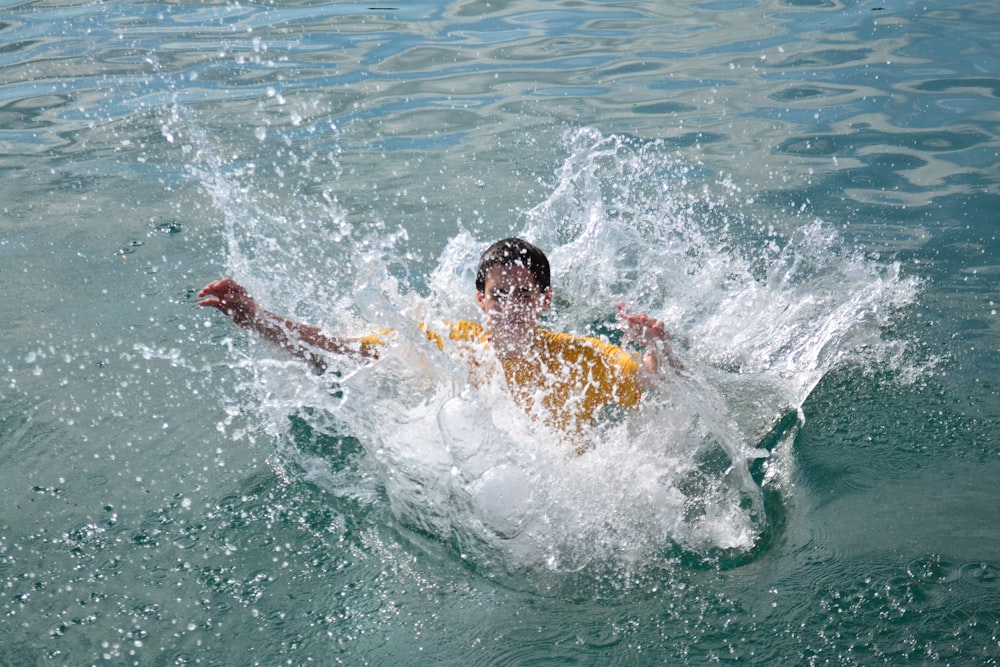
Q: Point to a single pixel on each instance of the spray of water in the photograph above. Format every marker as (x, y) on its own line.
(759, 310)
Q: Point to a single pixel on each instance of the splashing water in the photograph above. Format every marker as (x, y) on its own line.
(758, 310)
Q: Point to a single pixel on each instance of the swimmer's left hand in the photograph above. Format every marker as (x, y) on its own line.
(651, 334)
(641, 328)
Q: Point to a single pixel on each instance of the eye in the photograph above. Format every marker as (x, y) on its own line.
(518, 292)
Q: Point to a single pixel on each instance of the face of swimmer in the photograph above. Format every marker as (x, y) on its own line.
(513, 303)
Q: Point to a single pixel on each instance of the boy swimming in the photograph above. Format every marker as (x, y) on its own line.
(560, 379)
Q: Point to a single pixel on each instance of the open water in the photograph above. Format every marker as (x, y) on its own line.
(806, 191)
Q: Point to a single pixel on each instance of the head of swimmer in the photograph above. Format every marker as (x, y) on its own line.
(513, 289)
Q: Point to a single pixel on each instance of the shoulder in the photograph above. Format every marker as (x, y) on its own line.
(460, 331)
(577, 346)
(575, 340)
(465, 330)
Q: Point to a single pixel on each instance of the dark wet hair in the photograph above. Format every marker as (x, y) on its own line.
(514, 252)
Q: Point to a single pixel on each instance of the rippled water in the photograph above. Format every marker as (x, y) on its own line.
(805, 191)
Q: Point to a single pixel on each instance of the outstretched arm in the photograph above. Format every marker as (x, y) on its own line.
(304, 341)
(651, 334)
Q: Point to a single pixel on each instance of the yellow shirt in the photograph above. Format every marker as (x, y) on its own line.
(568, 381)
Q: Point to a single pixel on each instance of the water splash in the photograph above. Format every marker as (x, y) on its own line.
(760, 311)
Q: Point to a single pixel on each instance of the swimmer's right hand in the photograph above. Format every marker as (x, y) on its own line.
(231, 299)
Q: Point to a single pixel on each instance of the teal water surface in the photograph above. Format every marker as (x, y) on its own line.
(806, 192)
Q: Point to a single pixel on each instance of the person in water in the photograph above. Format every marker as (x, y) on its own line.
(562, 379)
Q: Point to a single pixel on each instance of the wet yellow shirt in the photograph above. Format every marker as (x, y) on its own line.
(570, 379)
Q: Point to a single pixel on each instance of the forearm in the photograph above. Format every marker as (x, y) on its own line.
(303, 340)
(656, 359)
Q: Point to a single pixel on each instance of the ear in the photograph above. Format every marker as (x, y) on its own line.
(546, 300)
(481, 300)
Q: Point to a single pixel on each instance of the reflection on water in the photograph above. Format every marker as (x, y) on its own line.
(838, 82)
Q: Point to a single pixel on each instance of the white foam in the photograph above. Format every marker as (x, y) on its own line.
(758, 316)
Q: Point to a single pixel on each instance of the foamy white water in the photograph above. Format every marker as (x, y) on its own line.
(756, 326)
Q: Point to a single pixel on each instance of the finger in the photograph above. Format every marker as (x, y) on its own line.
(211, 288)
(211, 302)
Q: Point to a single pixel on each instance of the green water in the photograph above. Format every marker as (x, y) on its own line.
(805, 192)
